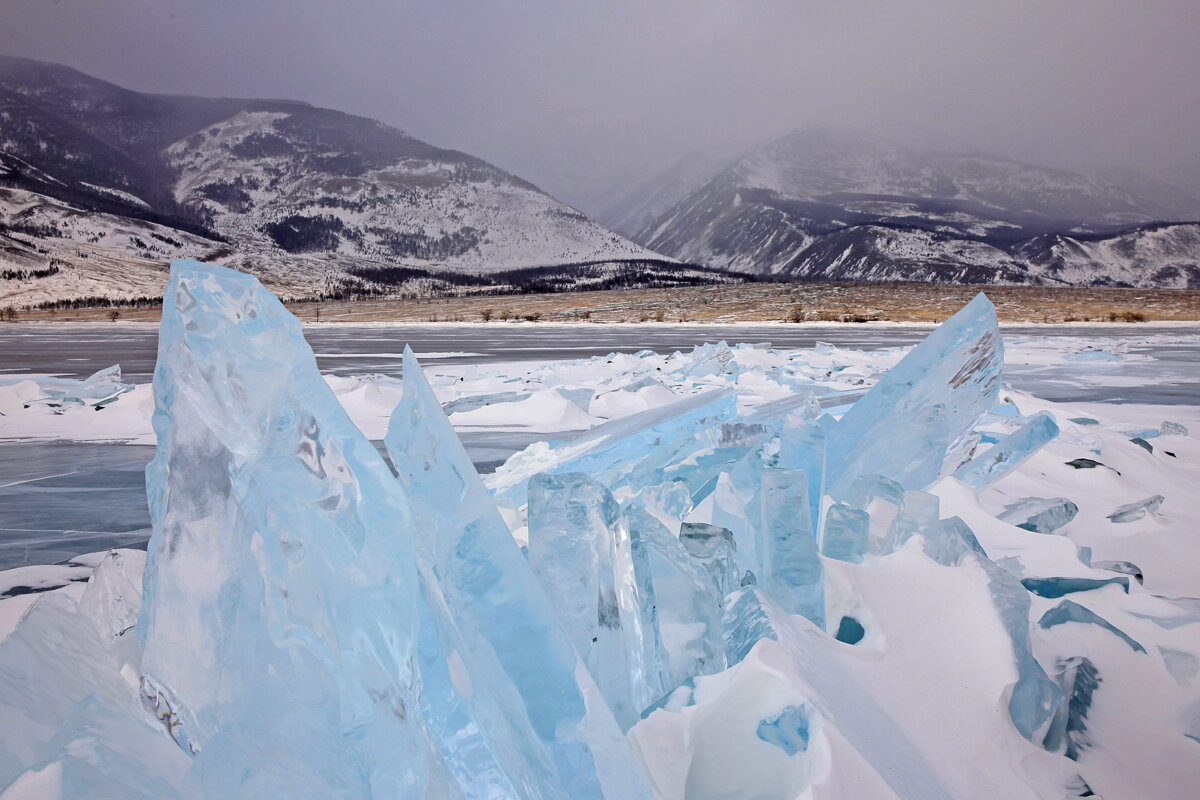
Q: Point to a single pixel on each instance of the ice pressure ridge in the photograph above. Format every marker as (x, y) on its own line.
(699, 608)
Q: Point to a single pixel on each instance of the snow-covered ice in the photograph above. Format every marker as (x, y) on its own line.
(753, 573)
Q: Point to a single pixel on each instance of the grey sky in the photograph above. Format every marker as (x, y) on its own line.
(585, 96)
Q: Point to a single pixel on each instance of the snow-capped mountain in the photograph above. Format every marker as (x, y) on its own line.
(314, 201)
(831, 203)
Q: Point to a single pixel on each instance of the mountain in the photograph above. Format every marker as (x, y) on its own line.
(629, 214)
(101, 186)
(836, 204)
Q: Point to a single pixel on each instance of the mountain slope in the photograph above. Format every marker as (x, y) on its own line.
(312, 200)
(828, 203)
(633, 211)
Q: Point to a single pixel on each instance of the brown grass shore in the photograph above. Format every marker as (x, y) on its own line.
(758, 302)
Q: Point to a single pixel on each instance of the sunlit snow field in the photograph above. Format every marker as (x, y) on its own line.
(925, 681)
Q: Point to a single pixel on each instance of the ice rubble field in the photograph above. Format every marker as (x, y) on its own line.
(758, 574)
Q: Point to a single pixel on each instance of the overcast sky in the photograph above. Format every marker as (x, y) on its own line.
(584, 96)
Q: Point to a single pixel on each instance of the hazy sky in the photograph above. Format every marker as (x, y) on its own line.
(585, 96)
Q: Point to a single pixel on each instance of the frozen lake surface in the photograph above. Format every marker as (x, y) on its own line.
(60, 498)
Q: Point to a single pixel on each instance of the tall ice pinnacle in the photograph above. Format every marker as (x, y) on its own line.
(280, 609)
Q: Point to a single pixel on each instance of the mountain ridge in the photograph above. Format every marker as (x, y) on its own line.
(827, 203)
(299, 195)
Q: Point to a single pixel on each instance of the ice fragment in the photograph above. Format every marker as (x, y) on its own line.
(1135, 511)
(581, 554)
(1070, 611)
(791, 573)
(1040, 514)
(1008, 453)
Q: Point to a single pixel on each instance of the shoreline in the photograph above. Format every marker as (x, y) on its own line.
(785, 304)
(309, 324)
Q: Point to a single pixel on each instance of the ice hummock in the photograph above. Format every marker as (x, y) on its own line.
(682, 557)
(320, 579)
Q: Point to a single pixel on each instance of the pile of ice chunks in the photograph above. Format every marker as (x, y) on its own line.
(314, 625)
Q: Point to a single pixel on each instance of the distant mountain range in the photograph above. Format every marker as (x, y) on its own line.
(101, 186)
(835, 204)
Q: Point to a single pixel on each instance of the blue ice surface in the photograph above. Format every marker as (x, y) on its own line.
(1092, 355)
(787, 730)
(1008, 453)
(1070, 611)
(850, 631)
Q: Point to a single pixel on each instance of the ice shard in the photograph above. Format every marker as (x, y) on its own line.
(1131, 512)
(1008, 453)
(920, 513)
(729, 510)
(1070, 611)
(713, 547)
(844, 533)
(749, 617)
(670, 502)
(499, 609)
(581, 554)
(97, 390)
(902, 428)
(791, 573)
(686, 601)
(280, 592)
(949, 540)
(487, 753)
(711, 359)
(623, 439)
(1078, 678)
(1169, 428)
(1035, 698)
(1040, 514)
